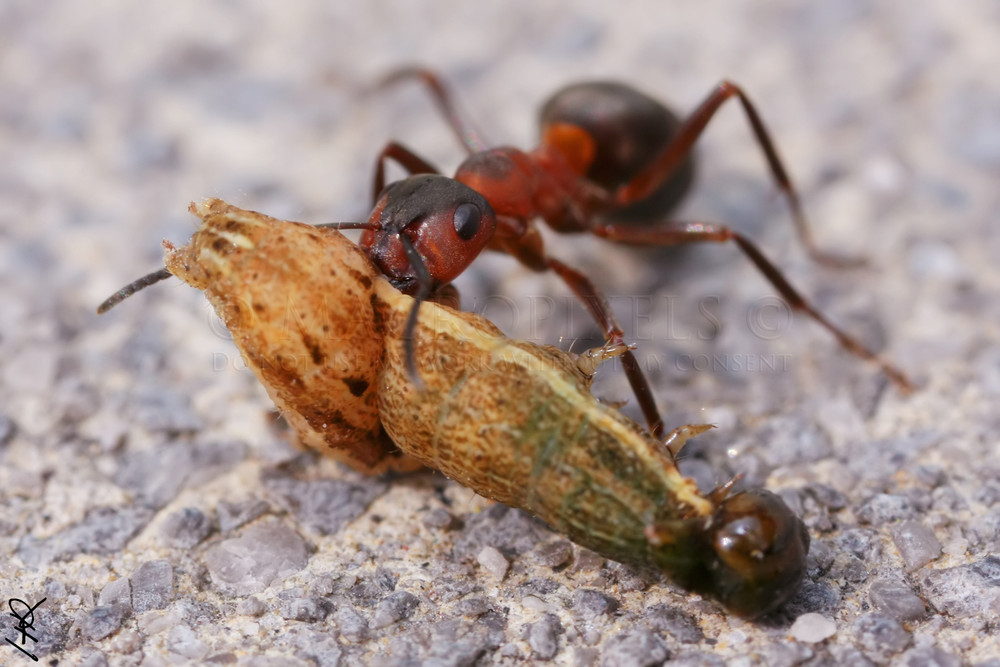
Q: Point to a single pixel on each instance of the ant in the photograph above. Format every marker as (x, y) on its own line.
(608, 153)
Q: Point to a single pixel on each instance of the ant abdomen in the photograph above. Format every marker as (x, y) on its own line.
(627, 131)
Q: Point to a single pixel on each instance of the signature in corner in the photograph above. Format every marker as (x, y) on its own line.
(25, 622)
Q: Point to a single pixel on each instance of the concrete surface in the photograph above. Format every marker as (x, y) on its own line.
(152, 499)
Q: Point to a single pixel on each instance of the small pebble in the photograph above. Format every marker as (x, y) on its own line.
(233, 515)
(267, 551)
(152, 585)
(636, 648)
(553, 554)
(116, 592)
(916, 543)
(591, 603)
(185, 528)
(395, 607)
(881, 635)
(543, 636)
(102, 621)
(441, 519)
(493, 561)
(883, 508)
(182, 641)
(7, 429)
(307, 609)
(251, 606)
(352, 625)
(897, 600)
(812, 628)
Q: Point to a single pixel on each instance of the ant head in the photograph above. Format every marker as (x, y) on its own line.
(760, 549)
(446, 223)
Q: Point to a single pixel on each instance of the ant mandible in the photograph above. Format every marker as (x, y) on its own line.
(607, 153)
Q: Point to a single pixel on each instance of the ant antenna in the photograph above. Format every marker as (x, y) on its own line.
(424, 282)
(345, 225)
(132, 288)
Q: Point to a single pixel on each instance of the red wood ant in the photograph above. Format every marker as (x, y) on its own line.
(607, 153)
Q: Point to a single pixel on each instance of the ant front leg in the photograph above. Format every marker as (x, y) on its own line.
(404, 157)
(680, 233)
(650, 178)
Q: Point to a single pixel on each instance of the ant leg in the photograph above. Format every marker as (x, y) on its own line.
(671, 157)
(523, 242)
(680, 233)
(599, 309)
(442, 98)
(403, 156)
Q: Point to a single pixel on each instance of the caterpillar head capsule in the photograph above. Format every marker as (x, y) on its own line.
(760, 549)
(750, 555)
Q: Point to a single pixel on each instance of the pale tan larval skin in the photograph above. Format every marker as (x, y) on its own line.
(297, 301)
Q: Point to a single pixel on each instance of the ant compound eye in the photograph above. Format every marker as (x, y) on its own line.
(467, 221)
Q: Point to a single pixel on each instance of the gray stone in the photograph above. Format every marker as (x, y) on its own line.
(493, 561)
(590, 603)
(897, 600)
(634, 648)
(820, 597)
(352, 625)
(917, 544)
(233, 515)
(862, 542)
(827, 496)
(308, 609)
(883, 508)
(553, 554)
(792, 438)
(104, 530)
(152, 585)
(881, 635)
(441, 519)
(116, 592)
(7, 429)
(965, 590)
(318, 648)
(182, 641)
(510, 531)
(251, 606)
(930, 656)
(102, 621)
(473, 606)
(185, 528)
(265, 553)
(395, 607)
(812, 628)
(162, 408)
(157, 475)
(323, 505)
(92, 658)
(543, 637)
(679, 624)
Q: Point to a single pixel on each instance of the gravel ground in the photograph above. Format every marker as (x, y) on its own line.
(152, 499)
